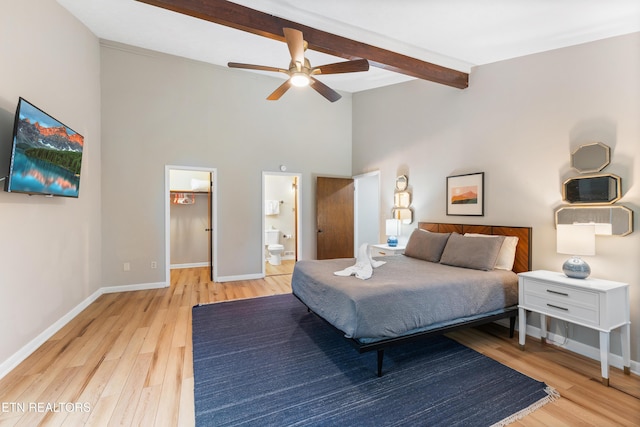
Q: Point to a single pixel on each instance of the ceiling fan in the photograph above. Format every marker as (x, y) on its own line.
(300, 71)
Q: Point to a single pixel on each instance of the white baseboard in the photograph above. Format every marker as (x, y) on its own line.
(582, 349)
(13, 361)
(240, 277)
(130, 288)
(576, 347)
(189, 265)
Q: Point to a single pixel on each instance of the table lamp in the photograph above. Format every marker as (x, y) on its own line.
(576, 240)
(392, 231)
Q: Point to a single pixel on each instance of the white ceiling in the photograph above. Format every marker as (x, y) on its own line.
(457, 34)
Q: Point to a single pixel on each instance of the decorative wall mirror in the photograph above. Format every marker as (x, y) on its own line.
(593, 189)
(591, 158)
(609, 220)
(402, 199)
(402, 183)
(405, 215)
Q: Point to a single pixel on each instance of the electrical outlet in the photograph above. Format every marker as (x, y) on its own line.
(154, 264)
(126, 266)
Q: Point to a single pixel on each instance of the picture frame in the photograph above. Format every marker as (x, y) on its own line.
(465, 194)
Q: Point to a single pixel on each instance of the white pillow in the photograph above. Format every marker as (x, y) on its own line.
(507, 254)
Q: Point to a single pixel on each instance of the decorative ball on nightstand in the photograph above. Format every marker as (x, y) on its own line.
(392, 230)
(576, 268)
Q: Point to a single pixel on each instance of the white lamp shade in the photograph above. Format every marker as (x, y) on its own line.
(392, 227)
(576, 239)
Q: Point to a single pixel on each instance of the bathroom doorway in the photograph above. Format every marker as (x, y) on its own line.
(281, 221)
(190, 218)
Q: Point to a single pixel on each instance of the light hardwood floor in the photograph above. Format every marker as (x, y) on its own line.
(286, 267)
(127, 360)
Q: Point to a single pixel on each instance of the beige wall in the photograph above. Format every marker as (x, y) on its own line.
(50, 253)
(162, 110)
(518, 122)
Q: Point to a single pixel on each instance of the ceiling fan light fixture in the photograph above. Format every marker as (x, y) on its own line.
(300, 71)
(300, 80)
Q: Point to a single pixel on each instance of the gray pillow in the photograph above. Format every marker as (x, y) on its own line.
(478, 253)
(426, 245)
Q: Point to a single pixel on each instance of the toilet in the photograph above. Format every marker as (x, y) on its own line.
(272, 240)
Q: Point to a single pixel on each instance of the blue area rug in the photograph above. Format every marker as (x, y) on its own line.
(268, 362)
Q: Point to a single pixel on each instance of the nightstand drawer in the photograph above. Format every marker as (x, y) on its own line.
(563, 309)
(562, 301)
(561, 293)
(386, 250)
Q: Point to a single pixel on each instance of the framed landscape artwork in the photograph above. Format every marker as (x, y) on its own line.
(465, 194)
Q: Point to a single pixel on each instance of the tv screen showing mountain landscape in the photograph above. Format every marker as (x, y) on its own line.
(46, 156)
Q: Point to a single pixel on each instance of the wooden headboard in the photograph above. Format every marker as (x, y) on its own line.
(523, 251)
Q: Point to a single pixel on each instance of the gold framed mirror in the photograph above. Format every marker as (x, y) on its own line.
(402, 199)
(592, 189)
(609, 220)
(591, 158)
(402, 182)
(403, 214)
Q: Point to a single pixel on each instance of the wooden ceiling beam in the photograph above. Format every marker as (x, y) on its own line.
(253, 21)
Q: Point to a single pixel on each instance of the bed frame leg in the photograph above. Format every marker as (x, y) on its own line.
(512, 326)
(380, 357)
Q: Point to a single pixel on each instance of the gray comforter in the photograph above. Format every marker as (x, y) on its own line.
(404, 295)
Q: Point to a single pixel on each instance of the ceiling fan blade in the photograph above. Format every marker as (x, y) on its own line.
(342, 67)
(325, 90)
(295, 42)
(276, 94)
(255, 67)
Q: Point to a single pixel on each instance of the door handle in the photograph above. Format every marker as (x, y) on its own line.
(319, 231)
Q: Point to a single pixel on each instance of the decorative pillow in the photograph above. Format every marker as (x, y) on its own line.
(471, 252)
(507, 254)
(425, 245)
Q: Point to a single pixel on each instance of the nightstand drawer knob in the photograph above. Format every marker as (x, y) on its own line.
(558, 307)
(557, 293)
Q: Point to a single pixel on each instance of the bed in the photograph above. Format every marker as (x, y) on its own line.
(450, 277)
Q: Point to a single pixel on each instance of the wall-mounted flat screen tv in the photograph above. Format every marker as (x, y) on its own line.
(46, 155)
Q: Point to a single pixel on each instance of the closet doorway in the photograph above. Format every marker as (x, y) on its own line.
(190, 219)
(281, 220)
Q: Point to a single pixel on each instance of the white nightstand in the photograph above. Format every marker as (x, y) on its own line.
(598, 304)
(383, 249)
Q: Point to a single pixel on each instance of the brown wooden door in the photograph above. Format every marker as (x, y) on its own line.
(334, 218)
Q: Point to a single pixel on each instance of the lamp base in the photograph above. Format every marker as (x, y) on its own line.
(392, 241)
(576, 268)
